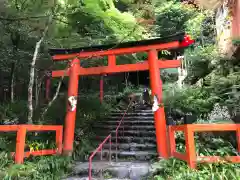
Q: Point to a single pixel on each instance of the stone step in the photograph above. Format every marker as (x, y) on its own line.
(132, 118)
(136, 138)
(93, 178)
(132, 127)
(124, 132)
(144, 110)
(144, 133)
(135, 111)
(131, 146)
(117, 170)
(132, 139)
(132, 114)
(133, 155)
(134, 122)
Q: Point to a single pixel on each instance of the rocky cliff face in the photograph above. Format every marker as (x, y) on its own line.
(224, 29)
(228, 26)
(227, 23)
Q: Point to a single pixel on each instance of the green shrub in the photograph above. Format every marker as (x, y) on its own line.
(205, 146)
(178, 170)
(189, 99)
(13, 112)
(45, 167)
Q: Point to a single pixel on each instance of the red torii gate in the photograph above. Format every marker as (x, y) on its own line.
(151, 46)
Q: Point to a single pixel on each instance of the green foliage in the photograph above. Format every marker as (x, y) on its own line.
(236, 41)
(91, 109)
(201, 27)
(171, 17)
(205, 146)
(193, 25)
(51, 116)
(190, 99)
(52, 167)
(108, 23)
(13, 112)
(224, 82)
(200, 62)
(176, 169)
(83, 145)
(84, 23)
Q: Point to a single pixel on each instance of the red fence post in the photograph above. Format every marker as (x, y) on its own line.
(101, 89)
(172, 141)
(190, 147)
(20, 144)
(159, 115)
(59, 136)
(71, 107)
(238, 137)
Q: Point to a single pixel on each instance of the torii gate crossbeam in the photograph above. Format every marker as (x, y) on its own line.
(153, 64)
(113, 68)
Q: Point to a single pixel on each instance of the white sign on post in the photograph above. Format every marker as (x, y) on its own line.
(155, 106)
(73, 102)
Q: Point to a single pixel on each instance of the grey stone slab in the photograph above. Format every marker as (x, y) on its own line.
(139, 171)
(86, 178)
(121, 170)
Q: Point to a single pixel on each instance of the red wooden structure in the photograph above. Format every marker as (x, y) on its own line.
(190, 156)
(151, 46)
(21, 136)
(236, 19)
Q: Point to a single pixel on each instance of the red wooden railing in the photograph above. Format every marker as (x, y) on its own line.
(190, 156)
(22, 130)
(108, 138)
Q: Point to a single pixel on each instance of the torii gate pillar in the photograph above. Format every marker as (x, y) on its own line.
(70, 118)
(159, 115)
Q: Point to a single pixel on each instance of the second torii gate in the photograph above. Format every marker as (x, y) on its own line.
(151, 46)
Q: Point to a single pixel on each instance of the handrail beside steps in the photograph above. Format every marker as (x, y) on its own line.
(119, 124)
(99, 148)
(108, 138)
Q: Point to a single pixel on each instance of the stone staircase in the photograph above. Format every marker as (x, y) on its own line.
(135, 148)
(136, 135)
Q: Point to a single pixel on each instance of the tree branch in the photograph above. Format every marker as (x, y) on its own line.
(22, 18)
(53, 99)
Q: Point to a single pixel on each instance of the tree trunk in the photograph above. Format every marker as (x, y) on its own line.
(138, 78)
(32, 71)
(11, 83)
(36, 91)
(15, 37)
(126, 79)
(31, 81)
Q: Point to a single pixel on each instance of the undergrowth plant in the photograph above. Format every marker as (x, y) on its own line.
(178, 170)
(212, 146)
(42, 168)
(51, 167)
(219, 113)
